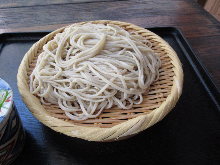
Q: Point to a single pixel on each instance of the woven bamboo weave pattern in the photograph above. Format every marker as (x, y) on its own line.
(113, 123)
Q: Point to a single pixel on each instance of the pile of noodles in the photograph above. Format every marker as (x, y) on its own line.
(91, 67)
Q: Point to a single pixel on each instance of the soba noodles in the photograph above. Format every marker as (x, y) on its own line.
(91, 67)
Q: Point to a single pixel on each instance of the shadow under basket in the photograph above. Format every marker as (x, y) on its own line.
(113, 124)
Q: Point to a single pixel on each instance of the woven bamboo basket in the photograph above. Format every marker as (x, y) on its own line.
(112, 124)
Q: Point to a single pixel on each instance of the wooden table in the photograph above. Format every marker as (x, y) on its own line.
(200, 28)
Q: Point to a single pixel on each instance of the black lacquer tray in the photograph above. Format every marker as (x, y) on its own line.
(190, 134)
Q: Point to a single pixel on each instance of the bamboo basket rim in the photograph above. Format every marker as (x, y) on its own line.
(119, 131)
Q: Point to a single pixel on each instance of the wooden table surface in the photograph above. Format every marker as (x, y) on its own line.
(200, 28)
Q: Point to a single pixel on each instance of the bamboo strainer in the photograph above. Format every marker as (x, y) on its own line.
(112, 124)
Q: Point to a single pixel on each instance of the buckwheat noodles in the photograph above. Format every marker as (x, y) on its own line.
(91, 67)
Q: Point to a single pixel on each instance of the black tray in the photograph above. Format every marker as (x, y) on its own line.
(190, 134)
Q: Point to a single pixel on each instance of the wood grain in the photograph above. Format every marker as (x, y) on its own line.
(28, 3)
(200, 28)
(213, 7)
